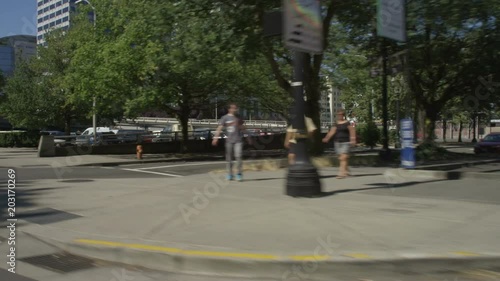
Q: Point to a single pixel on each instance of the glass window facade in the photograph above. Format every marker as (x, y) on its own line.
(7, 60)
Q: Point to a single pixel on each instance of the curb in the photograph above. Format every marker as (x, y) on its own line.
(439, 175)
(254, 265)
(453, 166)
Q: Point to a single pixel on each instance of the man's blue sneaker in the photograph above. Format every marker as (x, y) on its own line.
(229, 177)
(239, 177)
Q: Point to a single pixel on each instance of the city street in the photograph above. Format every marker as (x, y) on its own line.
(161, 170)
(364, 205)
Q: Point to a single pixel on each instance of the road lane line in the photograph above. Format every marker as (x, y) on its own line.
(181, 165)
(156, 173)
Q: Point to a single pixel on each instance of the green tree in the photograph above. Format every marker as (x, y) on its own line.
(451, 46)
(26, 102)
(2, 81)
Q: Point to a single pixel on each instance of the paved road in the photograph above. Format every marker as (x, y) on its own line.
(126, 171)
(76, 268)
(470, 190)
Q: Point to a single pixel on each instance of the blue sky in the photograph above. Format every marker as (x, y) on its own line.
(17, 17)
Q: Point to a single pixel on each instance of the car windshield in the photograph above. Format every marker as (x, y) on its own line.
(493, 138)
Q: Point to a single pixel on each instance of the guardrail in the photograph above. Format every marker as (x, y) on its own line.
(206, 122)
(213, 122)
(139, 137)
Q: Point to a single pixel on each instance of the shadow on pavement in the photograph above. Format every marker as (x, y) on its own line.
(321, 177)
(352, 176)
(375, 186)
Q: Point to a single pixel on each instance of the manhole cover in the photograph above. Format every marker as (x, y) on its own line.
(76, 181)
(398, 211)
(46, 216)
(60, 262)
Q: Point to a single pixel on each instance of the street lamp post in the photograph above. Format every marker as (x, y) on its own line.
(303, 178)
(94, 99)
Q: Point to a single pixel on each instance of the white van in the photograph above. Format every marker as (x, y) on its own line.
(104, 136)
(90, 131)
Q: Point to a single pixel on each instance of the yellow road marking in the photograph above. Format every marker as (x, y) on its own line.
(309, 258)
(358, 256)
(177, 251)
(467, 254)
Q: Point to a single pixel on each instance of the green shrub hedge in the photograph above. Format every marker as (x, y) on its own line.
(19, 139)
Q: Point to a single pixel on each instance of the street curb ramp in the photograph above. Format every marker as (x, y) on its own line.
(279, 267)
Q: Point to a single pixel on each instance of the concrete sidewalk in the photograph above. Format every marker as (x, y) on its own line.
(205, 225)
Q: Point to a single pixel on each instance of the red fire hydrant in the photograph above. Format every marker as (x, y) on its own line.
(138, 150)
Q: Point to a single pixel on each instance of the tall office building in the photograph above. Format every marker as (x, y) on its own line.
(53, 14)
(13, 49)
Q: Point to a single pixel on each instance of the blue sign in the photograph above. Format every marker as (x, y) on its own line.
(407, 144)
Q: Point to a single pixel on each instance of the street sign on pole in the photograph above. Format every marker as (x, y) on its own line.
(303, 26)
(407, 144)
(391, 19)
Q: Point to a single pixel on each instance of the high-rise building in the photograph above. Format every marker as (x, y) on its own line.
(53, 14)
(13, 49)
(330, 103)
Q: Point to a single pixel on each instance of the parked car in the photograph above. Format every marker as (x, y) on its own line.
(171, 133)
(130, 136)
(103, 138)
(490, 144)
(222, 135)
(201, 133)
(59, 139)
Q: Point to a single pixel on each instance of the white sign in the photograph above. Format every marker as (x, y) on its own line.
(303, 25)
(391, 19)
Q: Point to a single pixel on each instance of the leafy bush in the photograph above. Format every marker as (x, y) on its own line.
(19, 139)
(430, 151)
(370, 134)
(393, 136)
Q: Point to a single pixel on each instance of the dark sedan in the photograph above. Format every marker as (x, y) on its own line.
(490, 144)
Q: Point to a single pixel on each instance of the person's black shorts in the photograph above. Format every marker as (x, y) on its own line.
(292, 149)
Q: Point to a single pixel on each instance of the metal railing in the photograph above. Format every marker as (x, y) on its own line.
(209, 122)
(149, 137)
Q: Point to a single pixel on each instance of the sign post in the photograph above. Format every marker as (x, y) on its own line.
(391, 24)
(407, 144)
(303, 33)
(391, 19)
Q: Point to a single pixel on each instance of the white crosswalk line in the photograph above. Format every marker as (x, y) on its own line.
(150, 172)
(181, 165)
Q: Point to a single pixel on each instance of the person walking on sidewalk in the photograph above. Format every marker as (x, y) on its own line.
(344, 136)
(290, 139)
(234, 127)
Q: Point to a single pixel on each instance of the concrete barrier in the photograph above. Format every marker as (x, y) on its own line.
(46, 147)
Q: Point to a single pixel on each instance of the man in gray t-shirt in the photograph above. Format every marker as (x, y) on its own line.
(234, 142)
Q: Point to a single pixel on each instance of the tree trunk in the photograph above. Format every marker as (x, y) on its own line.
(460, 128)
(444, 130)
(431, 114)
